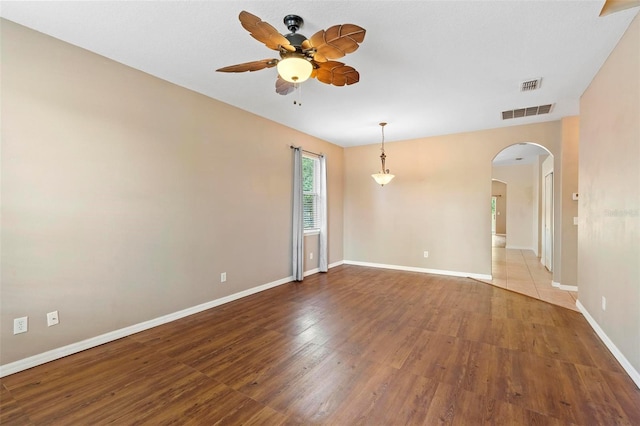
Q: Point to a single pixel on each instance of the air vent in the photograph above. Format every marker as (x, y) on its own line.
(526, 112)
(544, 109)
(529, 85)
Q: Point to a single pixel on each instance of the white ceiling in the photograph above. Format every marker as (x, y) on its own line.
(426, 67)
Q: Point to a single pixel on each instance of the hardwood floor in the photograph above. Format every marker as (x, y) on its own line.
(354, 346)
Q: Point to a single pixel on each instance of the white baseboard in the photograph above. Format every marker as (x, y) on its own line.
(338, 263)
(73, 348)
(635, 375)
(317, 270)
(564, 287)
(422, 270)
(519, 248)
(568, 287)
(35, 360)
(311, 272)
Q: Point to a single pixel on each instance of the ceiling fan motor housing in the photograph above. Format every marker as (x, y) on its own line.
(295, 40)
(293, 23)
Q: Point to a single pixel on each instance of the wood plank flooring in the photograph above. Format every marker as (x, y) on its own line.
(355, 346)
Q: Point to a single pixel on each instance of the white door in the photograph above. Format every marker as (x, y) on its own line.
(548, 222)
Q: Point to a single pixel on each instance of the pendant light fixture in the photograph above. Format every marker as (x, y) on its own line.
(384, 177)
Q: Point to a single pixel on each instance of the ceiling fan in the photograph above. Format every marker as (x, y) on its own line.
(300, 57)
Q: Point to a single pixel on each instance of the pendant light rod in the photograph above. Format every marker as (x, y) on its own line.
(383, 177)
(383, 155)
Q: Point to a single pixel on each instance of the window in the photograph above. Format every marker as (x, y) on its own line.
(310, 192)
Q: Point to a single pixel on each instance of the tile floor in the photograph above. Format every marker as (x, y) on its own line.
(521, 271)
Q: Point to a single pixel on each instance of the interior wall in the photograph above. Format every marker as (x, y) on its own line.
(537, 194)
(124, 197)
(569, 171)
(609, 204)
(499, 190)
(438, 201)
(521, 202)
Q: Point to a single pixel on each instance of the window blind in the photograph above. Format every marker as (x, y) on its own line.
(310, 176)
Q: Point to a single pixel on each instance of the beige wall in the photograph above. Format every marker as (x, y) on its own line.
(609, 206)
(521, 202)
(499, 190)
(569, 172)
(439, 200)
(124, 197)
(537, 194)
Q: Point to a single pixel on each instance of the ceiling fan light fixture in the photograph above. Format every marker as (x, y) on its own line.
(294, 69)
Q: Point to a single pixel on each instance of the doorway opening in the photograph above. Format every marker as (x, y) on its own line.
(522, 202)
(498, 213)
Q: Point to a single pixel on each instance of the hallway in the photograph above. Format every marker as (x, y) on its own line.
(522, 272)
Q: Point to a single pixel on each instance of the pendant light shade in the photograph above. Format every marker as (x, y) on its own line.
(384, 177)
(295, 69)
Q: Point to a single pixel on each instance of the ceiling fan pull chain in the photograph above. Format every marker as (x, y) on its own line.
(298, 92)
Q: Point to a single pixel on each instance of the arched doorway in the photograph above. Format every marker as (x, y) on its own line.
(526, 169)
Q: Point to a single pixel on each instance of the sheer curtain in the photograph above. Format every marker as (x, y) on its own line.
(298, 231)
(323, 265)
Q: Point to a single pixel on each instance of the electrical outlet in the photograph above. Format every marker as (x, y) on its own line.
(311, 255)
(604, 303)
(20, 325)
(426, 254)
(223, 277)
(52, 318)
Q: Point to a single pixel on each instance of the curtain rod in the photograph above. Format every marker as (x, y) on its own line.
(304, 150)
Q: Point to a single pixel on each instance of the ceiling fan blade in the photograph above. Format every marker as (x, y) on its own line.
(264, 32)
(336, 73)
(336, 41)
(613, 6)
(283, 87)
(250, 66)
